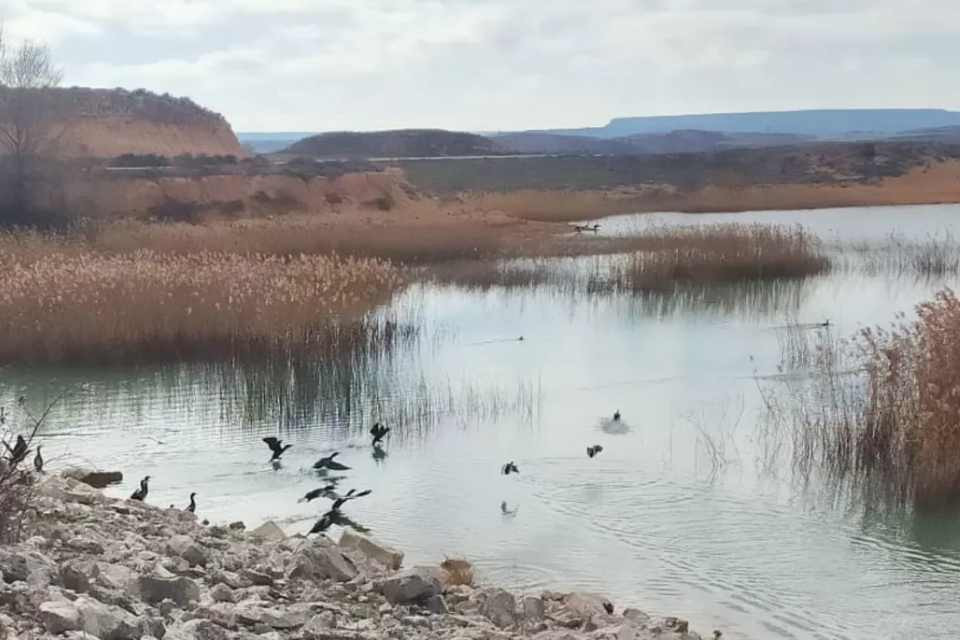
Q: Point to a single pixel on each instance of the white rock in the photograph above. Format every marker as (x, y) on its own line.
(269, 531)
(105, 621)
(59, 616)
(388, 557)
(222, 593)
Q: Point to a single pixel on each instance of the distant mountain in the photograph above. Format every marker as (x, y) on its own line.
(270, 141)
(401, 143)
(820, 123)
(681, 141)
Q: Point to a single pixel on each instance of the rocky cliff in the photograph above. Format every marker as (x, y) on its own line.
(104, 123)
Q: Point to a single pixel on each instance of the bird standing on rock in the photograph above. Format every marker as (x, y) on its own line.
(141, 493)
(192, 507)
(378, 432)
(616, 415)
(509, 468)
(328, 462)
(275, 446)
(594, 450)
(19, 450)
(38, 461)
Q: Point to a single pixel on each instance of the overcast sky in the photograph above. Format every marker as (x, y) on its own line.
(312, 65)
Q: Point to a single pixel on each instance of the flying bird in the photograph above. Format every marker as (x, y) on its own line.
(192, 507)
(594, 450)
(378, 432)
(334, 517)
(509, 468)
(141, 493)
(316, 493)
(339, 501)
(329, 463)
(275, 446)
(38, 461)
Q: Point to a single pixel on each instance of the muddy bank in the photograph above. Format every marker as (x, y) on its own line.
(93, 567)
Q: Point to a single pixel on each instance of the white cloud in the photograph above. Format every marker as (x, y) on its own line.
(499, 64)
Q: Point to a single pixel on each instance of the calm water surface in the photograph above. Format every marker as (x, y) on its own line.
(651, 521)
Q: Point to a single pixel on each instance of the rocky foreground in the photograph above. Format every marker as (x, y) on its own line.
(98, 568)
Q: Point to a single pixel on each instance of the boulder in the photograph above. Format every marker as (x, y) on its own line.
(533, 608)
(587, 605)
(77, 575)
(59, 616)
(105, 621)
(636, 616)
(251, 613)
(185, 547)
(31, 567)
(500, 608)
(269, 531)
(388, 557)
(320, 559)
(154, 589)
(414, 585)
(436, 604)
(197, 629)
(96, 479)
(67, 490)
(222, 593)
(117, 576)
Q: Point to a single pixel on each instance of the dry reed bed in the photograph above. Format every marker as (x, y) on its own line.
(82, 304)
(720, 253)
(882, 411)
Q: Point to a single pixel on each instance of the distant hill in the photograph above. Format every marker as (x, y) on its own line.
(681, 141)
(820, 123)
(401, 143)
(270, 141)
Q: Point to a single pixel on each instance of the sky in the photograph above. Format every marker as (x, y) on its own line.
(488, 65)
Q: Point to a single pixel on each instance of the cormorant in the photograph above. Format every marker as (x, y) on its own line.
(608, 607)
(334, 517)
(378, 453)
(141, 493)
(275, 446)
(192, 507)
(38, 461)
(316, 493)
(3, 415)
(594, 450)
(339, 501)
(378, 432)
(19, 450)
(329, 463)
(509, 468)
(616, 415)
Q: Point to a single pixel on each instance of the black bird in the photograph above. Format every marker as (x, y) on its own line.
(19, 450)
(594, 450)
(274, 445)
(316, 493)
(509, 468)
(608, 607)
(192, 507)
(329, 463)
(616, 415)
(334, 517)
(339, 501)
(38, 461)
(507, 511)
(3, 415)
(141, 493)
(378, 453)
(378, 432)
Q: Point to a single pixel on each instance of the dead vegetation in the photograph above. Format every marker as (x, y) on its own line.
(880, 412)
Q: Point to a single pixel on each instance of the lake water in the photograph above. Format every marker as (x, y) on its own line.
(651, 521)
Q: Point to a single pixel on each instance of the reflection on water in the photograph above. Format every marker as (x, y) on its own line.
(684, 511)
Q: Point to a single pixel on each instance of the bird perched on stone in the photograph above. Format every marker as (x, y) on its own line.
(141, 493)
(594, 450)
(275, 447)
(509, 468)
(18, 452)
(192, 507)
(328, 462)
(378, 432)
(616, 415)
(38, 461)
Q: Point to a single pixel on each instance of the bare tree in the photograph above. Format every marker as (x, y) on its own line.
(27, 116)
